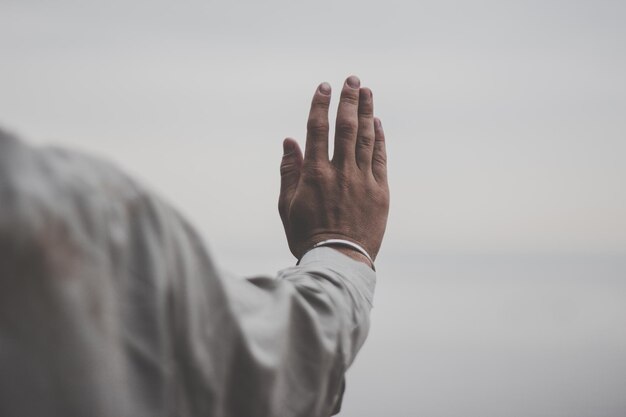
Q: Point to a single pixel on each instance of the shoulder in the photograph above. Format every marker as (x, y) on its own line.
(61, 203)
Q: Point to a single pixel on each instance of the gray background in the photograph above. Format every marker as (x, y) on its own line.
(502, 282)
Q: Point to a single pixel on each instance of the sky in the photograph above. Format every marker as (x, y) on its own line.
(506, 133)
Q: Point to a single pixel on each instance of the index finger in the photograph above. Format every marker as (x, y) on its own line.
(317, 126)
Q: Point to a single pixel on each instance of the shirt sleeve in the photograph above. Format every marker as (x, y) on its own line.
(110, 305)
(305, 327)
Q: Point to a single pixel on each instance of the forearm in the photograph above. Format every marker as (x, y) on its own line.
(346, 285)
(300, 332)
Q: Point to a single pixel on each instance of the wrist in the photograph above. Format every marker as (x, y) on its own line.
(346, 247)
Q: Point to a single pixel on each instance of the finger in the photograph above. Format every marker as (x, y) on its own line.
(290, 167)
(347, 123)
(365, 135)
(379, 159)
(317, 126)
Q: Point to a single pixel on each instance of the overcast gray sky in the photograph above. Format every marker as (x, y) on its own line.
(505, 121)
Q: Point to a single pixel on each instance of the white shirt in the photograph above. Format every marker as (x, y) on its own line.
(110, 305)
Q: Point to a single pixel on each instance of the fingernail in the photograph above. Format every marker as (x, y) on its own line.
(377, 123)
(324, 88)
(353, 81)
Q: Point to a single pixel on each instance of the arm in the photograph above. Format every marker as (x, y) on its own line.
(297, 335)
(319, 310)
(111, 305)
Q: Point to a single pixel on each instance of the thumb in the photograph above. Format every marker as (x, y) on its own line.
(289, 174)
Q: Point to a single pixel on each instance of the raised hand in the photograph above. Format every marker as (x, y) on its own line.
(343, 198)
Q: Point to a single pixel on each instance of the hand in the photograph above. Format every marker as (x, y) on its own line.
(343, 198)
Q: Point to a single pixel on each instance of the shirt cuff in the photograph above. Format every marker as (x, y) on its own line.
(359, 275)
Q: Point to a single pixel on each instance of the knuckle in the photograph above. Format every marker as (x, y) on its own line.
(380, 198)
(382, 203)
(317, 127)
(366, 113)
(380, 159)
(347, 126)
(318, 180)
(347, 177)
(321, 103)
(364, 142)
(315, 171)
(350, 98)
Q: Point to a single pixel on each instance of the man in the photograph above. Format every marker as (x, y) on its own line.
(110, 304)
